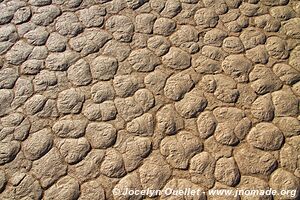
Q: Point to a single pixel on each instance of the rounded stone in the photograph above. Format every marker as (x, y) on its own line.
(73, 150)
(202, 167)
(206, 17)
(292, 29)
(141, 126)
(180, 148)
(126, 85)
(285, 103)
(102, 91)
(177, 59)
(128, 108)
(289, 126)
(155, 172)
(171, 9)
(252, 161)
(277, 47)
(104, 68)
(93, 16)
(191, 105)
(238, 67)
(164, 26)
(66, 188)
(70, 101)
(37, 144)
(45, 15)
(92, 190)
(121, 27)
(264, 80)
(68, 24)
(168, 121)
(178, 85)
(228, 167)
(113, 164)
(144, 23)
(101, 135)
(143, 60)
(251, 37)
(206, 124)
(160, 45)
(79, 73)
(69, 128)
(262, 108)
(286, 73)
(293, 59)
(265, 136)
(255, 184)
(145, 99)
(37, 36)
(214, 37)
(134, 151)
(8, 151)
(284, 180)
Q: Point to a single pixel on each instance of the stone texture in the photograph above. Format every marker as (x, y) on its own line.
(202, 169)
(37, 144)
(264, 80)
(265, 136)
(157, 176)
(253, 161)
(104, 68)
(66, 188)
(180, 148)
(177, 59)
(284, 180)
(97, 95)
(143, 60)
(227, 166)
(73, 150)
(101, 135)
(70, 101)
(49, 168)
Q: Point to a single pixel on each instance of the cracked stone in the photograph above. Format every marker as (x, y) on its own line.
(68, 24)
(164, 26)
(169, 122)
(134, 151)
(80, 73)
(264, 80)
(193, 103)
(8, 151)
(157, 176)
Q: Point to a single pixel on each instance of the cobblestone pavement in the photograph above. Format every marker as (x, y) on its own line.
(97, 95)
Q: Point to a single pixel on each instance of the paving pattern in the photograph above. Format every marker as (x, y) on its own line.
(148, 94)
